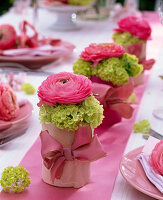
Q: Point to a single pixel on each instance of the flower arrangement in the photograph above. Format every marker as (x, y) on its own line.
(110, 69)
(68, 113)
(137, 27)
(133, 33)
(15, 179)
(8, 103)
(109, 62)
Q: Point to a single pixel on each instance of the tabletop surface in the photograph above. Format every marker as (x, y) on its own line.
(90, 32)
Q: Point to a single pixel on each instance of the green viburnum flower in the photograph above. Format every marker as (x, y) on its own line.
(142, 127)
(68, 116)
(82, 67)
(28, 88)
(111, 70)
(92, 112)
(80, 2)
(15, 179)
(130, 63)
(125, 38)
(132, 98)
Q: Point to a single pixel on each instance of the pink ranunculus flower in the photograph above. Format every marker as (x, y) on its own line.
(156, 158)
(137, 26)
(97, 52)
(64, 88)
(8, 103)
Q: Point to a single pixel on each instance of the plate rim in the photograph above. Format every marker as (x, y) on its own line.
(135, 185)
(19, 120)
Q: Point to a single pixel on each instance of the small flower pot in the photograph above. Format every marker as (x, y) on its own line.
(139, 50)
(138, 80)
(76, 173)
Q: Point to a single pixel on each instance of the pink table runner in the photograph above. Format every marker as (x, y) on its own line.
(104, 171)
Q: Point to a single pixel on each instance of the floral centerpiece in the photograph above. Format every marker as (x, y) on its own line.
(133, 33)
(111, 70)
(68, 113)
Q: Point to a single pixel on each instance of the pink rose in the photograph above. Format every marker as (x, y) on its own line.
(156, 158)
(8, 103)
(137, 26)
(64, 88)
(97, 52)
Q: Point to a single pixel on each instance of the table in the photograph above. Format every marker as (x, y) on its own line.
(91, 31)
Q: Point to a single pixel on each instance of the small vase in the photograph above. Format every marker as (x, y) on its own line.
(138, 80)
(76, 173)
(139, 50)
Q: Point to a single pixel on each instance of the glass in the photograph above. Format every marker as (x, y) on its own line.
(21, 6)
(160, 10)
(158, 112)
(34, 4)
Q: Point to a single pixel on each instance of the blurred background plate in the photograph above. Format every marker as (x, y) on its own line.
(35, 62)
(66, 16)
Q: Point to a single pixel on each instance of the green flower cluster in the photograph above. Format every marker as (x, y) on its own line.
(69, 116)
(125, 38)
(132, 98)
(142, 127)
(15, 179)
(28, 88)
(79, 2)
(115, 70)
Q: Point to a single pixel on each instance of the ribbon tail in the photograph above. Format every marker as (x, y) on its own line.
(123, 109)
(91, 152)
(57, 169)
(147, 64)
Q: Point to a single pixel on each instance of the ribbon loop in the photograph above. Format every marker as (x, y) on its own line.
(114, 98)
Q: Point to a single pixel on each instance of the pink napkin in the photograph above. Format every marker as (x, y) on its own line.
(155, 178)
(45, 50)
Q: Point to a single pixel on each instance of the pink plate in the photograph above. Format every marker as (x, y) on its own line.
(134, 174)
(24, 112)
(35, 62)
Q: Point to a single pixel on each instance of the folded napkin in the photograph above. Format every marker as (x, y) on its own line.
(155, 178)
(45, 50)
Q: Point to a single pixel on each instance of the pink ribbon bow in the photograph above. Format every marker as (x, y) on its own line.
(113, 100)
(84, 148)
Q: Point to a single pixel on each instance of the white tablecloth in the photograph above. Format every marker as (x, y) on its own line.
(91, 31)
